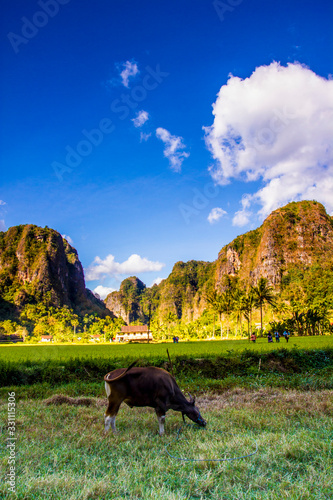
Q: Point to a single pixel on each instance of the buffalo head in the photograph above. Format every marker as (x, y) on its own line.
(193, 413)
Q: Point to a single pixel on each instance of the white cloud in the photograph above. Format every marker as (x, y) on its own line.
(275, 126)
(2, 202)
(109, 267)
(157, 281)
(130, 70)
(103, 291)
(140, 119)
(68, 238)
(173, 148)
(243, 216)
(215, 214)
(144, 137)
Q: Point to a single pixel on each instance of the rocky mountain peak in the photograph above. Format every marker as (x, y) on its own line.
(38, 264)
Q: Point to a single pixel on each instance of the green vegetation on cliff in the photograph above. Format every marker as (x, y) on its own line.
(292, 251)
(40, 270)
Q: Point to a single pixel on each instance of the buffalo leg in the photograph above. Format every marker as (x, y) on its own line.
(161, 419)
(110, 416)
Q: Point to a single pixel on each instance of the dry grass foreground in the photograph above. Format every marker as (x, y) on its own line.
(310, 402)
(62, 452)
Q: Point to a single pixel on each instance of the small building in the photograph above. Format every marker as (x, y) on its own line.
(46, 338)
(95, 338)
(134, 333)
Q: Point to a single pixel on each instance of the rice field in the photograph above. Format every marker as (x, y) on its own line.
(269, 434)
(39, 352)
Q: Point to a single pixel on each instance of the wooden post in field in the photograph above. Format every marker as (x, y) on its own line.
(149, 314)
(171, 367)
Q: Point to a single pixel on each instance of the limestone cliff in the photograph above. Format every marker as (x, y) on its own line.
(295, 236)
(128, 303)
(183, 292)
(38, 265)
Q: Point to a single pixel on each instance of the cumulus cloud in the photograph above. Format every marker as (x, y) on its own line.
(109, 267)
(140, 119)
(173, 149)
(68, 238)
(157, 281)
(103, 291)
(2, 202)
(215, 214)
(130, 71)
(243, 216)
(275, 126)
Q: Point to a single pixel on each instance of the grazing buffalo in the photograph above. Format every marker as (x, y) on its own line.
(149, 386)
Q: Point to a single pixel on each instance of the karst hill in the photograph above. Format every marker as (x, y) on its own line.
(292, 240)
(295, 242)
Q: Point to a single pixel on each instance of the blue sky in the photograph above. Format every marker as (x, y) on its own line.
(108, 133)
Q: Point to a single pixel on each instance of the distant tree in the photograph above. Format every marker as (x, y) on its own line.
(75, 323)
(169, 319)
(239, 305)
(9, 326)
(212, 300)
(23, 332)
(281, 308)
(248, 305)
(221, 303)
(190, 330)
(263, 293)
(314, 318)
(39, 330)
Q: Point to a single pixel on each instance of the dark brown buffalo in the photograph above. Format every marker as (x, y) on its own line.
(149, 386)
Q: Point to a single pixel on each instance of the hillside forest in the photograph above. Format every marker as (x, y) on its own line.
(278, 277)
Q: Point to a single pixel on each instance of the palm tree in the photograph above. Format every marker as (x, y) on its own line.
(263, 292)
(238, 307)
(221, 303)
(249, 302)
(75, 322)
(212, 298)
(170, 318)
(313, 318)
(281, 307)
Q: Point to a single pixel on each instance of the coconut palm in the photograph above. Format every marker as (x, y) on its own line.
(221, 303)
(239, 304)
(75, 322)
(263, 292)
(248, 305)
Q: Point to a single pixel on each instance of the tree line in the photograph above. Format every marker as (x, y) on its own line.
(303, 306)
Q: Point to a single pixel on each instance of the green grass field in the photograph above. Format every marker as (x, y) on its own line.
(193, 349)
(278, 397)
(305, 363)
(61, 452)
